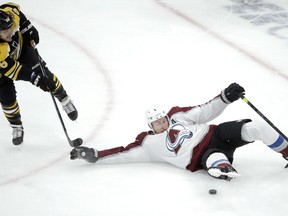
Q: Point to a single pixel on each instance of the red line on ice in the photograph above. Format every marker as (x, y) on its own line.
(98, 125)
(190, 20)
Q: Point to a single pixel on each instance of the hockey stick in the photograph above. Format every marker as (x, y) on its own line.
(73, 143)
(263, 116)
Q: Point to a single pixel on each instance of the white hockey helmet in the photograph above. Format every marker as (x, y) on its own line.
(153, 114)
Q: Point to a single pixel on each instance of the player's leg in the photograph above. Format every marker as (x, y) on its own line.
(29, 58)
(218, 157)
(11, 109)
(260, 130)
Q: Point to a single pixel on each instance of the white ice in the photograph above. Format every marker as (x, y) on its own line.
(115, 59)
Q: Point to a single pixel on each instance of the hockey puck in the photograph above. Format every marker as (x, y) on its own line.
(212, 191)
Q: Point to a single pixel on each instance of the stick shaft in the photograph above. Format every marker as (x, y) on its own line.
(44, 73)
(263, 116)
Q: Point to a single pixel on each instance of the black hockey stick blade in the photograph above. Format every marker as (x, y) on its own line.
(76, 142)
(73, 143)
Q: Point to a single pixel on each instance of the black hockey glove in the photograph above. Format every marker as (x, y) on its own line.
(29, 32)
(88, 154)
(232, 93)
(45, 83)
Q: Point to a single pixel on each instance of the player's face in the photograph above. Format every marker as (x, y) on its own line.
(160, 125)
(6, 35)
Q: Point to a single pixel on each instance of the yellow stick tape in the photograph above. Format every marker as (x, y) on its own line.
(245, 100)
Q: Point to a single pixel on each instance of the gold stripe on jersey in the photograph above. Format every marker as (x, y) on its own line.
(13, 72)
(8, 57)
(4, 51)
(17, 72)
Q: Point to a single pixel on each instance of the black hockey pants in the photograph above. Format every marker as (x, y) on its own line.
(225, 139)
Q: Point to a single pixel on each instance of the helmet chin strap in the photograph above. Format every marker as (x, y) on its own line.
(151, 127)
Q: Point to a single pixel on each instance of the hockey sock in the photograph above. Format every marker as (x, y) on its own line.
(280, 145)
(259, 130)
(217, 159)
(219, 167)
(12, 113)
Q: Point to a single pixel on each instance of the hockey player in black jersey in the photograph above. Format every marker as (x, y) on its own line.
(19, 61)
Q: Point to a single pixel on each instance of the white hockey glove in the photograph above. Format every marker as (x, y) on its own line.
(88, 154)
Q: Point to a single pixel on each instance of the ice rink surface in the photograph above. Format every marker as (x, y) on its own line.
(116, 58)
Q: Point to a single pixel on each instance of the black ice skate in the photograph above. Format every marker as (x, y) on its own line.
(223, 172)
(69, 108)
(18, 134)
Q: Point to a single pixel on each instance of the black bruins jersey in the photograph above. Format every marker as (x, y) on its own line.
(10, 52)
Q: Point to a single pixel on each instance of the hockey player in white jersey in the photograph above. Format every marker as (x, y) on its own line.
(183, 137)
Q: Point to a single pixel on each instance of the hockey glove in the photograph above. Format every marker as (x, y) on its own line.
(45, 83)
(29, 32)
(88, 154)
(232, 93)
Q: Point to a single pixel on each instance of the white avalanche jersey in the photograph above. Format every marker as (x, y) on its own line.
(182, 144)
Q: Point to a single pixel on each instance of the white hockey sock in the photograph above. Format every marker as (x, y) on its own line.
(216, 159)
(259, 130)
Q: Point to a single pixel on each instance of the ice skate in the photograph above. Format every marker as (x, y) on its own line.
(223, 172)
(69, 108)
(18, 134)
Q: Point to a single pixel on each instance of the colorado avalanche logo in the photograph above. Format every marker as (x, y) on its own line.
(176, 136)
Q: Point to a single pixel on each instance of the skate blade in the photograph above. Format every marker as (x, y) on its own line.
(19, 147)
